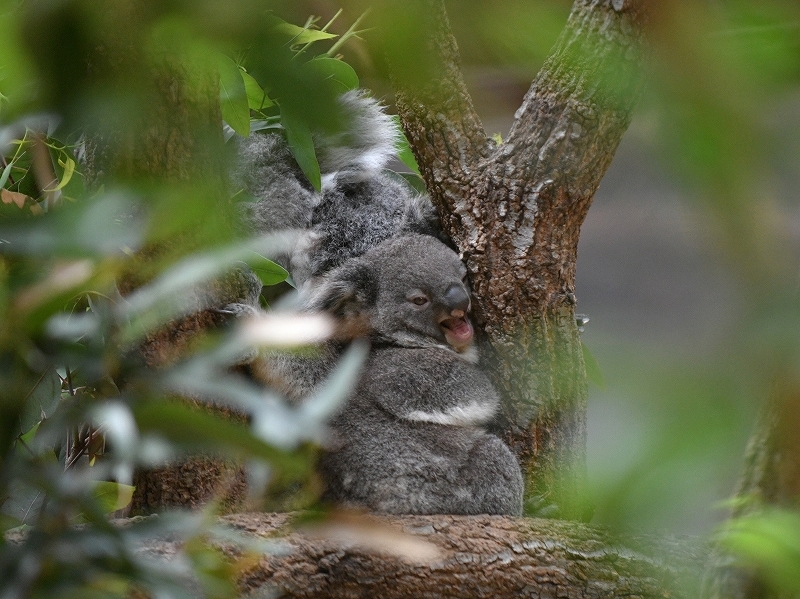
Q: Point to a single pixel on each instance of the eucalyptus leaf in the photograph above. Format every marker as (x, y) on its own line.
(404, 152)
(68, 164)
(196, 429)
(337, 73)
(233, 96)
(309, 420)
(257, 98)
(301, 144)
(770, 542)
(105, 225)
(272, 123)
(43, 399)
(178, 290)
(593, 372)
(6, 173)
(324, 402)
(414, 181)
(303, 35)
(22, 502)
(268, 271)
(112, 496)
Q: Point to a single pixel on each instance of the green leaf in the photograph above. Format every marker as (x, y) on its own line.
(233, 96)
(41, 402)
(257, 98)
(268, 271)
(301, 35)
(337, 73)
(27, 438)
(414, 181)
(404, 152)
(9, 522)
(112, 496)
(68, 164)
(6, 174)
(166, 297)
(301, 144)
(194, 428)
(770, 541)
(339, 385)
(22, 501)
(97, 226)
(593, 372)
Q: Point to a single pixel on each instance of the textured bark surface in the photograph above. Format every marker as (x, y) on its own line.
(457, 556)
(453, 557)
(515, 211)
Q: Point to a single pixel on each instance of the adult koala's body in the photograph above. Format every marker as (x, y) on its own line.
(410, 439)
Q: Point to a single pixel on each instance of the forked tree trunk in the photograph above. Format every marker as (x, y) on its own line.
(515, 211)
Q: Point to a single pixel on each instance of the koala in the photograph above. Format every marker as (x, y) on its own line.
(410, 440)
(369, 251)
(360, 204)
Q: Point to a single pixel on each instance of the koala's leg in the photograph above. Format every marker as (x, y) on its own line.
(493, 475)
(473, 475)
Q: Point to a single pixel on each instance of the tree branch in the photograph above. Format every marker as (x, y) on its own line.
(473, 556)
(515, 213)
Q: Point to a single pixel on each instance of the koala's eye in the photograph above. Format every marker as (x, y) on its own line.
(418, 300)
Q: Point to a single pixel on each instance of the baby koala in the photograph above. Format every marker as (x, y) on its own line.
(410, 440)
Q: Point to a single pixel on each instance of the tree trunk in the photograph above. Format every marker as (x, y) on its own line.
(515, 210)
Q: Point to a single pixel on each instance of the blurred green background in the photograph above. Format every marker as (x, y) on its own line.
(687, 266)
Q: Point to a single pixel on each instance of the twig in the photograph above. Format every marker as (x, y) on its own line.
(347, 34)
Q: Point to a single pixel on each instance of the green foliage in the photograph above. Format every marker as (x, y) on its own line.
(769, 542)
(235, 99)
(72, 381)
(79, 411)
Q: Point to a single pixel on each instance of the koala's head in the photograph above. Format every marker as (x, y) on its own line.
(410, 290)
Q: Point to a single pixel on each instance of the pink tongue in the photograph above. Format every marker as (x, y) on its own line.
(462, 330)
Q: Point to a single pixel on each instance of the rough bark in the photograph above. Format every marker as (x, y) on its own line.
(455, 556)
(515, 211)
(485, 556)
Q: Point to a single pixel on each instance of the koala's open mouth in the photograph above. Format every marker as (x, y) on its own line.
(458, 331)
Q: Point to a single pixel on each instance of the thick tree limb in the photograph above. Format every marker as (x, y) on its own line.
(473, 556)
(515, 212)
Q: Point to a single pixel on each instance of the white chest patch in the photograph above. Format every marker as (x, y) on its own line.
(463, 415)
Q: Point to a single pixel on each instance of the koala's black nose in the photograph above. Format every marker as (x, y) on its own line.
(456, 298)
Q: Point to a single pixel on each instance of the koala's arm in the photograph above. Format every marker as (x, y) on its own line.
(296, 375)
(430, 385)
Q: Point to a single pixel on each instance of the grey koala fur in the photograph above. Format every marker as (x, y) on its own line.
(410, 438)
(359, 206)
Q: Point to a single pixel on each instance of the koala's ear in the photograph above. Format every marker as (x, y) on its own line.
(350, 289)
